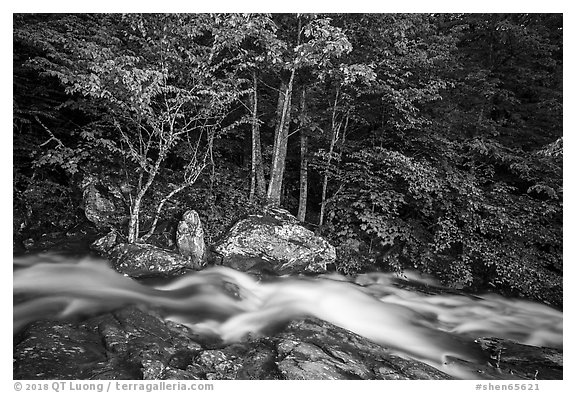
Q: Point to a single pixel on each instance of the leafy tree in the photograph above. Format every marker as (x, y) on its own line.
(439, 184)
(315, 43)
(172, 91)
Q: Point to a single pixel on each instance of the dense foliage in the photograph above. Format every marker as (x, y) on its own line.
(433, 141)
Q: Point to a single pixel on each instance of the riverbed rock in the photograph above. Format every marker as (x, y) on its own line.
(135, 344)
(526, 360)
(274, 242)
(190, 238)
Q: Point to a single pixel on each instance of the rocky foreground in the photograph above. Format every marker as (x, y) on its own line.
(135, 344)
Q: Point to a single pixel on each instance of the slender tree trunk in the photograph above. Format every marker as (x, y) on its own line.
(335, 131)
(257, 182)
(323, 197)
(134, 222)
(279, 114)
(260, 179)
(303, 200)
(133, 227)
(280, 143)
(281, 137)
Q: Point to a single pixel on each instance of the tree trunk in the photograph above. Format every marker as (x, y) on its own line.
(257, 182)
(334, 130)
(335, 136)
(280, 143)
(303, 199)
(134, 222)
(260, 179)
(323, 198)
(281, 136)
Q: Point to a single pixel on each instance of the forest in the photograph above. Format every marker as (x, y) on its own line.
(424, 141)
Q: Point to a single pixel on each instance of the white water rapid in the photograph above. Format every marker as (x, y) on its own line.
(232, 304)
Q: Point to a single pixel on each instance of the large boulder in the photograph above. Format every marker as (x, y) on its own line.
(274, 242)
(190, 238)
(145, 260)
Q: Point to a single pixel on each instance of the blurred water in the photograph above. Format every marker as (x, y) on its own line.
(231, 304)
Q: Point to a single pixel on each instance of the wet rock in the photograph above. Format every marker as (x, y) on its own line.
(190, 238)
(48, 350)
(524, 361)
(28, 243)
(131, 343)
(274, 242)
(262, 365)
(127, 344)
(106, 243)
(145, 260)
(312, 349)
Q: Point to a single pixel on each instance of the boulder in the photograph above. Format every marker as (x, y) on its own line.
(274, 242)
(190, 238)
(126, 344)
(106, 243)
(102, 202)
(145, 260)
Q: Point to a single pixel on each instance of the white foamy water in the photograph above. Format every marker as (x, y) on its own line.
(491, 315)
(422, 326)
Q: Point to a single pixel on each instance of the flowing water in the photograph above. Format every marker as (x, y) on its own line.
(230, 304)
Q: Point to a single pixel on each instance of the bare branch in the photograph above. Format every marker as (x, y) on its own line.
(52, 136)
